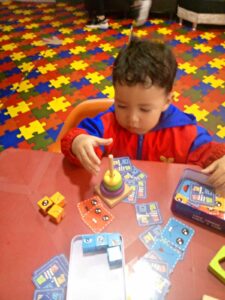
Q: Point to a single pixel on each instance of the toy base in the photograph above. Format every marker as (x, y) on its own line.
(113, 201)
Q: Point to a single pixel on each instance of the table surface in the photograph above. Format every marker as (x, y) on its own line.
(28, 239)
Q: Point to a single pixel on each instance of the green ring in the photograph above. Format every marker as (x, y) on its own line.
(113, 188)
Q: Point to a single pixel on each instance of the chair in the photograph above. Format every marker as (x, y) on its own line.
(88, 108)
(202, 12)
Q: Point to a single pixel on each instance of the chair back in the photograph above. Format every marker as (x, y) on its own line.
(85, 109)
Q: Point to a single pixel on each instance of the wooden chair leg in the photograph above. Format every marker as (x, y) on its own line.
(194, 26)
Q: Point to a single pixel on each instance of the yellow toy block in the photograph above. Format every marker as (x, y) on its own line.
(44, 204)
(56, 213)
(58, 199)
(215, 267)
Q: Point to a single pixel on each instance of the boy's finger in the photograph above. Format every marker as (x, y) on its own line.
(87, 162)
(210, 168)
(92, 155)
(103, 142)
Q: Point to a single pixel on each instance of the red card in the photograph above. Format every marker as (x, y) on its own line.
(98, 218)
(86, 205)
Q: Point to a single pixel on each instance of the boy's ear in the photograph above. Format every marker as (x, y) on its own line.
(169, 100)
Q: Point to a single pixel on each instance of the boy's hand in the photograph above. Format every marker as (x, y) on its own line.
(83, 147)
(217, 175)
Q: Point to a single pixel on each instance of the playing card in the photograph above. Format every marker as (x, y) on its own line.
(158, 265)
(132, 197)
(49, 294)
(51, 275)
(138, 174)
(148, 236)
(177, 234)
(152, 285)
(61, 259)
(98, 218)
(148, 214)
(166, 252)
(122, 164)
(141, 189)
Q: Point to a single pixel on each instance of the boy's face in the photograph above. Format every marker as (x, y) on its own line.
(137, 108)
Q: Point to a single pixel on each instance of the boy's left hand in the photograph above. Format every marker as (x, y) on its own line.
(216, 172)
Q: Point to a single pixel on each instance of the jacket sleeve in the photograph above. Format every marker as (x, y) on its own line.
(89, 126)
(204, 151)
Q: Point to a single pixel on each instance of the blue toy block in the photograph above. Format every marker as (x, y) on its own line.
(114, 239)
(114, 255)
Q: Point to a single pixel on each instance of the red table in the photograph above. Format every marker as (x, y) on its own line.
(28, 239)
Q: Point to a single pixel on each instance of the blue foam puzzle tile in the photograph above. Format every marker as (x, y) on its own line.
(43, 87)
(3, 117)
(10, 139)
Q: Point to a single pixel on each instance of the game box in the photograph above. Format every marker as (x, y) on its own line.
(97, 267)
(194, 198)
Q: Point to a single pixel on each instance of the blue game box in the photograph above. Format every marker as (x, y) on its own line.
(194, 198)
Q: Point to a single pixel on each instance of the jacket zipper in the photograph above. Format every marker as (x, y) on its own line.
(139, 148)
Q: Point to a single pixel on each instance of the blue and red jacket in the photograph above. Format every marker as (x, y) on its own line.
(176, 138)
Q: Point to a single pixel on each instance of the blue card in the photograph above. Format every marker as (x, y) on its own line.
(148, 214)
(49, 294)
(61, 259)
(142, 189)
(132, 198)
(51, 275)
(177, 234)
(122, 164)
(167, 253)
(148, 236)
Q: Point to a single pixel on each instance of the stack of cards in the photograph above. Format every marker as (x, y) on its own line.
(166, 247)
(170, 243)
(50, 279)
(147, 280)
(94, 214)
(134, 177)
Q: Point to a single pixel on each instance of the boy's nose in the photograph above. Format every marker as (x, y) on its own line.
(133, 118)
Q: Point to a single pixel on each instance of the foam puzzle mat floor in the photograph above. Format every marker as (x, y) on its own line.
(49, 62)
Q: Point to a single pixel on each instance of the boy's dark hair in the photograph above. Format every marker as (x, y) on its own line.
(145, 62)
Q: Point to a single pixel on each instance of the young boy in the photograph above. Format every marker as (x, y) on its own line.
(143, 124)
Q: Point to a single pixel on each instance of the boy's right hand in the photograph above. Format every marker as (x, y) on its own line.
(83, 147)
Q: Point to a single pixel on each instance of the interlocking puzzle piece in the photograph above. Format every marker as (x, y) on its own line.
(59, 104)
(59, 81)
(56, 213)
(28, 131)
(194, 109)
(215, 267)
(213, 81)
(221, 132)
(44, 204)
(58, 199)
(21, 107)
(23, 86)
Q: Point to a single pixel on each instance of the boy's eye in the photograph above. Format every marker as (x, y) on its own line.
(121, 106)
(145, 109)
